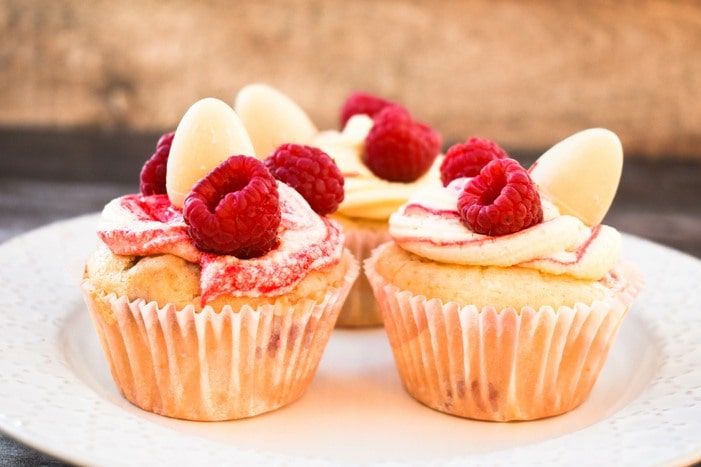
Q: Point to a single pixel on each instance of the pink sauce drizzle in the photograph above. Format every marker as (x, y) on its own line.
(147, 225)
(430, 223)
(230, 275)
(579, 253)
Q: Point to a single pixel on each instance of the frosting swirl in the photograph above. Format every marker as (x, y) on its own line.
(429, 225)
(137, 225)
(366, 195)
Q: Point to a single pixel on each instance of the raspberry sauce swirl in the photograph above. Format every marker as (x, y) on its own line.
(429, 225)
(136, 225)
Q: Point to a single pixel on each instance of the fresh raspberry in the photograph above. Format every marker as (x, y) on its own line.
(398, 148)
(235, 209)
(501, 200)
(311, 172)
(467, 159)
(153, 173)
(362, 103)
(166, 139)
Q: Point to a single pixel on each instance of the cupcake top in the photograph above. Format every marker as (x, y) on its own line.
(137, 225)
(501, 217)
(430, 225)
(255, 228)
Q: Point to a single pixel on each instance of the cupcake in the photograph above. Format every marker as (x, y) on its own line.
(502, 292)
(214, 299)
(385, 156)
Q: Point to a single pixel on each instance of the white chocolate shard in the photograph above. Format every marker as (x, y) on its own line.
(209, 133)
(580, 174)
(271, 118)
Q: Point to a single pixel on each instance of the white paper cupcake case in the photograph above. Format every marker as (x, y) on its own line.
(499, 365)
(213, 366)
(361, 309)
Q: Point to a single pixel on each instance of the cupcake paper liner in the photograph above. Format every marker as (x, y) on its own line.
(361, 308)
(499, 365)
(209, 365)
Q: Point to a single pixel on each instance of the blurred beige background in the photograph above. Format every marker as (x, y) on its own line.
(523, 73)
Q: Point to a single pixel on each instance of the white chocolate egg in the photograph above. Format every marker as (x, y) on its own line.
(580, 174)
(271, 118)
(209, 133)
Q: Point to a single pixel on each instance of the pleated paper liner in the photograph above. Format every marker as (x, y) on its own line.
(361, 309)
(210, 366)
(499, 365)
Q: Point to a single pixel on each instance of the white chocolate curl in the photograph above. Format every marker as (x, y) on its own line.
(580, 174)
(209, 133)
(271, 119)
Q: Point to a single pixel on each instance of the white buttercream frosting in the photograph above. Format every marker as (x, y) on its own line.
(429, 225)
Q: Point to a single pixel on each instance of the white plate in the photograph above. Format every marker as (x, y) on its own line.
(57, 396)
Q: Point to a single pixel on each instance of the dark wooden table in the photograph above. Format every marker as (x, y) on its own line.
(46, 177)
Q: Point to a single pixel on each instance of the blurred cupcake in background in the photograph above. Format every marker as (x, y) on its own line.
(385, 155)
(383, 152)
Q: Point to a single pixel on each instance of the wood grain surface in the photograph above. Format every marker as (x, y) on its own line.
(524, 73)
